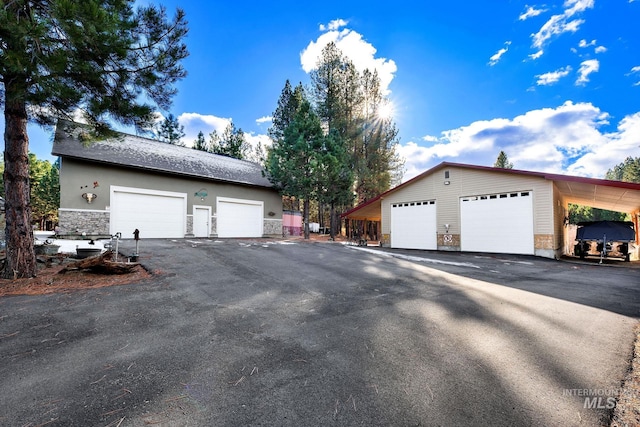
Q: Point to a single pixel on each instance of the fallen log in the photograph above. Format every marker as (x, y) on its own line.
(102, 264)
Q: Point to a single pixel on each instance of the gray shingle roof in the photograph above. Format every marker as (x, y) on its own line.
(143, 153)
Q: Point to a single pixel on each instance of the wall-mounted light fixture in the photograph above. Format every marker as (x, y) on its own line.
(202, 193)
(446, 228)
(89, 197)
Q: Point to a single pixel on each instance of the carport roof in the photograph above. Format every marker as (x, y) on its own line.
(599, 193)
(143, 153)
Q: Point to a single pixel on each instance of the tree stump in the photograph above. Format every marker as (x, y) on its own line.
(102, 264)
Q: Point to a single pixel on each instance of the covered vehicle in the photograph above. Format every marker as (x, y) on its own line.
(611, 238)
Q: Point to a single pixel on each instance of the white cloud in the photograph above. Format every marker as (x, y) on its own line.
(496, 57)
(530, 13)
(560, 24)
(195, 122)
(635, 70)
(264, 119)
(566, 139)
(334, 25)
(583, 43)
(586, 68)
(353, 46)
(615, 147)
(536, 55)
(552, 77)
(257, 140)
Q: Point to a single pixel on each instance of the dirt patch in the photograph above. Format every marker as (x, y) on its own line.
(49, 279)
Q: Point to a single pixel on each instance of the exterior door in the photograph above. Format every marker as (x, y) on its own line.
(499, 223)
(156, 214)
(413, 225)
(201, 221)
(239, 218)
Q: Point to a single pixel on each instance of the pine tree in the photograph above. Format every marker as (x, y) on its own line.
(170, 131)
(628, 171)
(288, 104)
(294, 162)
(503, 161)
(335, 177)
(231, 143)
(200, 143)
(58, 56)
(45, 190)
(348, 103)
(378, 165)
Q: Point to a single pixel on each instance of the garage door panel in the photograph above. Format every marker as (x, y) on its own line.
(413, 225)
(155, 214)
(239, 218)
(498, 223)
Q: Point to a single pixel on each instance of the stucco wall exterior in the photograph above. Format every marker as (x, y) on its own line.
(77, 177)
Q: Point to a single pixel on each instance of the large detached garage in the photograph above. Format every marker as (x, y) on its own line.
(127, 182)
(459, 207)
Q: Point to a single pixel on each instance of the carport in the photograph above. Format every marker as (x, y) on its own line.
(485, 209)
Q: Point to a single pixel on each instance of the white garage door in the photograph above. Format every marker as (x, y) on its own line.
(154, 213)
(413, 225)
(500, 223)
(239, 218)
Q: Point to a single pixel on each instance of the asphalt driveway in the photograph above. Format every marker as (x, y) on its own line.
(238, 333)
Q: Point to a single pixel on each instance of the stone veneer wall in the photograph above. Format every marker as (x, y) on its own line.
(448, 242)
(272, 227)
(97, 222)
(214, 226)
(543, 241)
(189, 226)
(83, 221)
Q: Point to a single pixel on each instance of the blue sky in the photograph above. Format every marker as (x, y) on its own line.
(556, 85)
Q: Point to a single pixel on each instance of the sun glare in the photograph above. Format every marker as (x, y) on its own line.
(385, 111)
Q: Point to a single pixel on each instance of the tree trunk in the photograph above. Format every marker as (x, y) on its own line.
(306, 218)
(332, 222)
(21, 258)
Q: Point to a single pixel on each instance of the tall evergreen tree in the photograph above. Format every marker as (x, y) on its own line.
(348, 102)
(503, 161)
(335, 177)
(45, 190)
(378, 165)
(57, 56)
(628, 171)
(170, 131)
(294, 162)
(200, 143)
(231, 143)
(288, 105)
